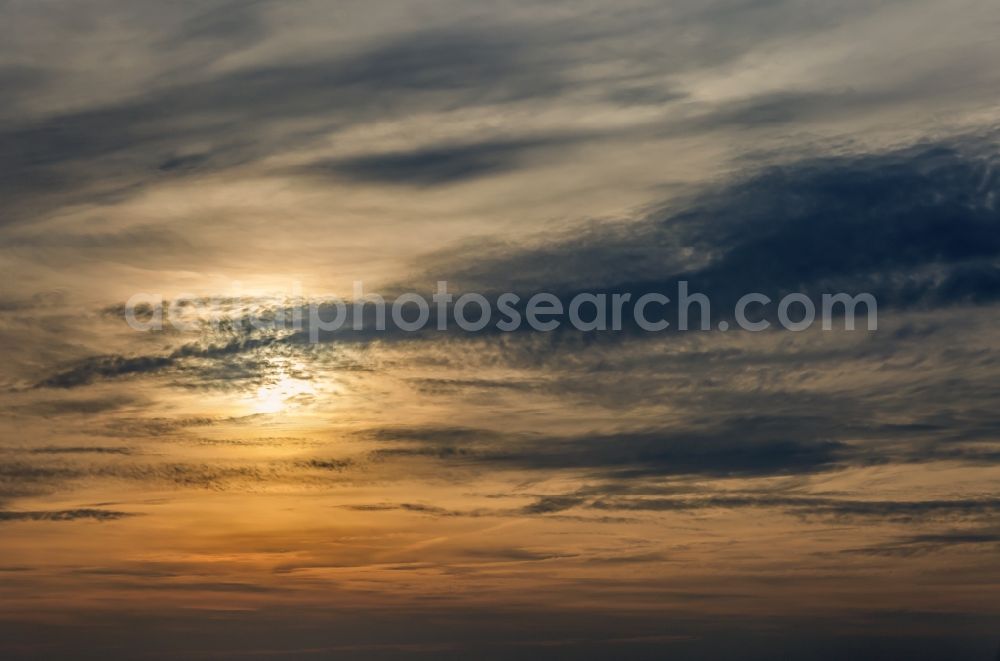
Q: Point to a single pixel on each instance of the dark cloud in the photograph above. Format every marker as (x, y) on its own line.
(778, 108)
(202, 475)
(25, 472)
(550, 504)
(113, 366)
(436, 165)
(104, 367)
(200, 126)
(541, 506)
(516, 554)
(721, 435)
(644, 95)
(141, 427)
(190, 120)
(673, 454)
(418, 508)
(64, 515)
(19, 478)
(328, 464)
(442, 385)
(18, 82)
(737, 451)
(80, 449)
(692, 498)
(805, 505)
(931, 543)
(916, 227)
(791, 108)
(89, 406)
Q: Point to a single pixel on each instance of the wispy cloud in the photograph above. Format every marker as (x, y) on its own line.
(64, 515)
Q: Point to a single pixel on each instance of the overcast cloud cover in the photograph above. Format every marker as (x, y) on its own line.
(235, 490)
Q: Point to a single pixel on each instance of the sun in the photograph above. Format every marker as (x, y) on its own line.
(280, 395)
(268, 401)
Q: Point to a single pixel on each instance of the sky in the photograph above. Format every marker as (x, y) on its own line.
(231, 489)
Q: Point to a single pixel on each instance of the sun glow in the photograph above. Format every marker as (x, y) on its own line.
(282, 395)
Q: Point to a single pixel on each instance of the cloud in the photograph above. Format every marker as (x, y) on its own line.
(239, 117)
(327, 464)
(89, 406)
(930, 543)
(916, 227)
(104, 367)
(692, 498)
(541, 506)
(232, 122)
(112, 366)
(550, 504)
(418, 508)
(433, 166)
(81, 449)
(19, 81)
(737, 451)
(20, 478)
(65, 515)
(814, 506)
(123, 426)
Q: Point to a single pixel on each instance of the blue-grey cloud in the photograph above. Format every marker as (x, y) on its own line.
(915, 227)
(738, 450)
(436, 165)
(199, 126)
(804, 505)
